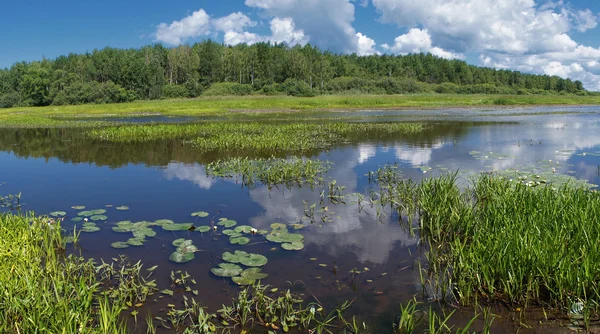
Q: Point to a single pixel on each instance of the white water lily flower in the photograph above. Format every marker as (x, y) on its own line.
(214, 227)
(85, 219)
(253, 230)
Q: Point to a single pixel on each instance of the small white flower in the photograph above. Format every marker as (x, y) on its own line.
(85, 219)
(253, 230)
(214, 227)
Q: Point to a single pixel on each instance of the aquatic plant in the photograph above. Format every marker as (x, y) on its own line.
(271, 172)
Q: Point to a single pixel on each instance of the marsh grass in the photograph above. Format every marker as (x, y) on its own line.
(44, 291)
(271, 172)
(501, 241)
(258, 137)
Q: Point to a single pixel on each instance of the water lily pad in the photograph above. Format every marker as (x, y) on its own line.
(179, 257)
(78, 207)
(243, 280)
(200, 214)
(119, 244)
(298, 226)
(227, 223)
(144, 232)
(203, 229)
(76, 219)
(163, 222)
(278, 226)
(234, 257)
(228, 232)
(135, 242)
(187, 248)
(254, 260)
(90, 229)
(293, 246)
(58, 214)
(98, 217)
(243, 229)
(176, 227)
(179, 242)
(98, 211)
(88, 224)
(253, 274)
(239, 241)
(122, 208)
(227, 270)
(284, 236)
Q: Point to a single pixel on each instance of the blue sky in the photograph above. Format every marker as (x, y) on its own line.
(550, 37)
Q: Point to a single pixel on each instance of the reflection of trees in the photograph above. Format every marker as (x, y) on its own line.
(70, 145)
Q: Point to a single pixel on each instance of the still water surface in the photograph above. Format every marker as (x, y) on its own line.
(55, 169)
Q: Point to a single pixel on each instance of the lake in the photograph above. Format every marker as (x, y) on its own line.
(349, 254)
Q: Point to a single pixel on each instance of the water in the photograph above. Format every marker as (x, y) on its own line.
(56, 169)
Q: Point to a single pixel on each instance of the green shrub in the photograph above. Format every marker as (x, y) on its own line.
(228, 88)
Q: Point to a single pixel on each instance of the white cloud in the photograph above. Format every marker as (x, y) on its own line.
(327, 23)
(417, 41)
(195, 25)
(365, 45)
(524, 35)
(233, 22)
(284, 31)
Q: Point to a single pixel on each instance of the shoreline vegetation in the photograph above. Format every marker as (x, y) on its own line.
(232, 107)
(478, 255)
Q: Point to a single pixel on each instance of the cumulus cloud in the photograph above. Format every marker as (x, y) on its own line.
(523, 35)
(417, 41)
(327, 23)
(195, 25)
(283, 30)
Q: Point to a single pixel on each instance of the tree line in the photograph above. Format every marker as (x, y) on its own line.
(210, 68)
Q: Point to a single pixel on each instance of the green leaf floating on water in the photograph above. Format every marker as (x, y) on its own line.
(239, 280)
(78, 207)
(89, 224)
(293, 246)
(119, 244)
(278, 226)
(228, 232)
(90, 229)
(245, 258)
(98, 217)
(179, 257)
(253, 274)
(227, 223)
(176, 227)
(76, 219)
(122, 208)
(203, 229)
(284, 236)
(163, 222)
(227, 270)
(58, 214)
(239, 241)
(135, 242)
(298, 226)
(91, 213)
(200, 214)
(144, 232)
(243, 229)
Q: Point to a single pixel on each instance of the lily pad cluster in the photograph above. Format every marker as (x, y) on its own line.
(289, 241)
(184, 252)
(239, 275)
(140, 230)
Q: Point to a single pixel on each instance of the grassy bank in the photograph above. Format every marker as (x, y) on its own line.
(222, 105)
(503, 241)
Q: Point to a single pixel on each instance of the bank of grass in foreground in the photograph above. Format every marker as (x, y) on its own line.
(41, 291)
(257, 137)
(504, 241)
(223, 105)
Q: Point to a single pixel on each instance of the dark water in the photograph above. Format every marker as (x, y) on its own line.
(56, 169)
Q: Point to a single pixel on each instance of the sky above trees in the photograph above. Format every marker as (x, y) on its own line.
(546, 37)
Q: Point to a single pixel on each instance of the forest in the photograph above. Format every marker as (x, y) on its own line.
(209, 68)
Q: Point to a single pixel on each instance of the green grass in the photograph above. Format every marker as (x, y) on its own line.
(258, 137)
(501, 241)
(39, 116)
